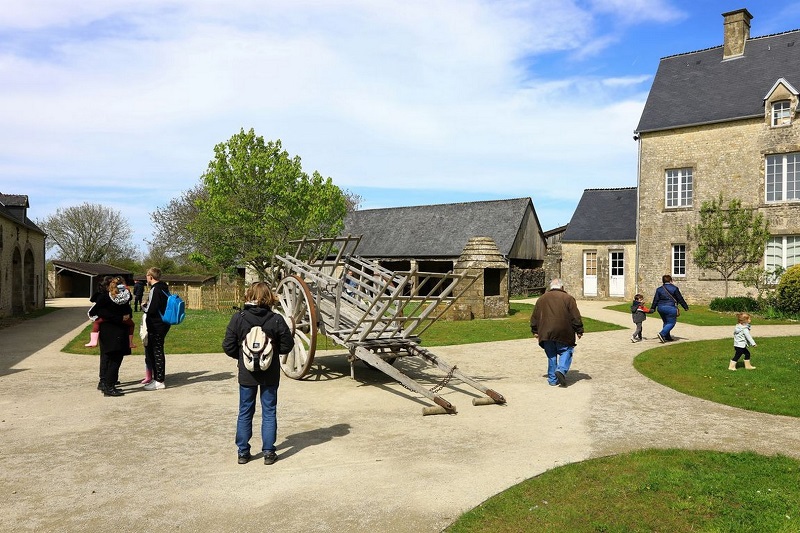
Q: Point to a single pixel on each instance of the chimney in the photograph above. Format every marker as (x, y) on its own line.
(736, 32)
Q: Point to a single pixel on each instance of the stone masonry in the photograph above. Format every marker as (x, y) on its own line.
(727, 158)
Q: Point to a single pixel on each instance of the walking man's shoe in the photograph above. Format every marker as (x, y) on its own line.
(661, 338)
(562, 380)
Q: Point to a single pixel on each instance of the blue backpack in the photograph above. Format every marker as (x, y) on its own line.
(175, 311)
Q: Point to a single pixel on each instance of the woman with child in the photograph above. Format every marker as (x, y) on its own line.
(114, 308)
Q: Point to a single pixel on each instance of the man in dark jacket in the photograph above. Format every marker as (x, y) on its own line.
(138, 293)
(157, 329)
(556, 322)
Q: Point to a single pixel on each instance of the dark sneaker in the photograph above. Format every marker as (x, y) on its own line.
(661, 338)
(244, 459)
(270, 458)
(562, 380)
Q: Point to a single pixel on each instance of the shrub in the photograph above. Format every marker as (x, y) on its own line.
(789, 290)
(736, 304)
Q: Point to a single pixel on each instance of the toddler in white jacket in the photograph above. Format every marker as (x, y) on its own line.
(741, 339)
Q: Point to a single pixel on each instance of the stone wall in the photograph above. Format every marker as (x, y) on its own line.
(572, 269)
(727, 158)
(22, 269)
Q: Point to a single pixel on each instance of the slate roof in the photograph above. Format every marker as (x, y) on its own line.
(437, 230)
(700, 88)
(13, 207)
(604, 215)
(92, 269)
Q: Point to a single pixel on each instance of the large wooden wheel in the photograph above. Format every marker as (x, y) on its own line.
(296, 305)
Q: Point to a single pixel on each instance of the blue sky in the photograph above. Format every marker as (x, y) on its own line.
(403, 102)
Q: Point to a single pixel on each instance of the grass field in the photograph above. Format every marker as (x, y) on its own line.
(675, 491)
(202, 332)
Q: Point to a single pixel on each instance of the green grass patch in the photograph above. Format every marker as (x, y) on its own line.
(701, 315)
(701, 369)
(202, 332)
(650, 490)
(516, 326)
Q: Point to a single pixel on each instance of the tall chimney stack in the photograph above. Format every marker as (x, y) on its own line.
(736, 31)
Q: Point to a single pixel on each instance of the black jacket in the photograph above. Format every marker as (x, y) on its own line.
(276, 329)
(157, 306)
(113, 332)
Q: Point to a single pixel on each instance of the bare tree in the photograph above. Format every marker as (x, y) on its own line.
(91, 233)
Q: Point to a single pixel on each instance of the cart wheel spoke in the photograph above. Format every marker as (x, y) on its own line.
(297, 307)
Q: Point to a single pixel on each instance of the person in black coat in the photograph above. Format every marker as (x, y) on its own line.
(138, 293)
(154, 357)
(257, 311)
(114, 338)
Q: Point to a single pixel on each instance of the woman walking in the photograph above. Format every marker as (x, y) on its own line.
(665, 301)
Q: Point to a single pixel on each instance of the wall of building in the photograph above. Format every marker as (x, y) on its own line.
(22, 272)
(727, 158)
(572, 269)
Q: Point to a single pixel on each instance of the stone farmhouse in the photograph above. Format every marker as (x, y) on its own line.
(719, 120)
(598, 248)
(22, 263)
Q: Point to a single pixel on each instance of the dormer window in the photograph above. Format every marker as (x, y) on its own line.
(781, 113)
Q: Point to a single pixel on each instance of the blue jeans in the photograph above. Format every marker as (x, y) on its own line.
(559, 357)
(669, 315)
(269, 420)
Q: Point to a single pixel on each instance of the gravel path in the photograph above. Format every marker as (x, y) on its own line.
(354, 455)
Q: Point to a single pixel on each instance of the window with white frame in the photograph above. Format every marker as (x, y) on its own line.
(781, 113)
(782, 180)
(782, 252)
(679, 187)
(678, 259)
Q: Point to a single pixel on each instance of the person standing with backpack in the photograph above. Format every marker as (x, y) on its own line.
(256, 313)
(154, 358)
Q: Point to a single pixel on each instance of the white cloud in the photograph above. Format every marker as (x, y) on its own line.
(415, 94)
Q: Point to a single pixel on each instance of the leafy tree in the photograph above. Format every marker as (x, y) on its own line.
(728, 239)
(762, 280)
(171, 224)
(258, 199)
(90, 233)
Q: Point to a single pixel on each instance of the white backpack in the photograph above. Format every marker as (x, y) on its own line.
(257, 349)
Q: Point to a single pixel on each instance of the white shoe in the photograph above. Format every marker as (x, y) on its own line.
(155, 385)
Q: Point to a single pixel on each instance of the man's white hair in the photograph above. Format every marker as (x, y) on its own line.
(556, 283)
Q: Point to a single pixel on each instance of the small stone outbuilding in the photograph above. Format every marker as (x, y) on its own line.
(487, 297)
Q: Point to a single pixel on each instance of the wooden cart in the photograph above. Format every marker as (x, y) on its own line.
(377, 314)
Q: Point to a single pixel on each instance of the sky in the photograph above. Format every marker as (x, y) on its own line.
(407, 102)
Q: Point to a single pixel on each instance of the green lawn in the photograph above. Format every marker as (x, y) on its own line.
(701, 369)
(202, 332)
(673, 491)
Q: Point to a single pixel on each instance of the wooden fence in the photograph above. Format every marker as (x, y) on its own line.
(209, 297)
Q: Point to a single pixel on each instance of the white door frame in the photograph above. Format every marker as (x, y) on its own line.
(590, 273)
(616, 273)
